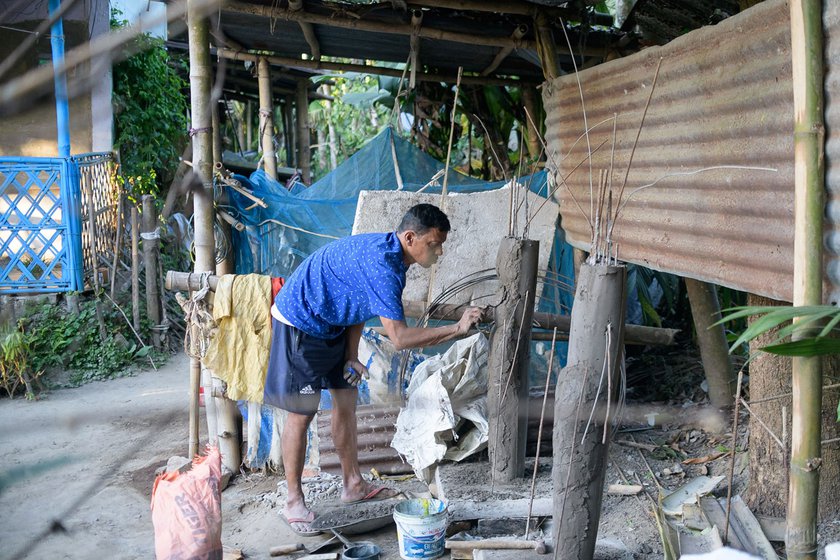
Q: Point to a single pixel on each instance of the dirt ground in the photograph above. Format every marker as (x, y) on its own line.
(77, 470)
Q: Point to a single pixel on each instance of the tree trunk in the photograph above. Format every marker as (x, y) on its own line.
(711, 339)
(770, 376)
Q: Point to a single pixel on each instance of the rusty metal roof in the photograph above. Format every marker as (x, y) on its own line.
(723, 98)
(451, 35)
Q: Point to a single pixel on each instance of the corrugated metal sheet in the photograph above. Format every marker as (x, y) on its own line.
(377, 425)
(723, 98)
(831, 27)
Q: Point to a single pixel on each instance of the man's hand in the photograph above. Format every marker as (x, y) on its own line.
(471, 316)
(354, 371)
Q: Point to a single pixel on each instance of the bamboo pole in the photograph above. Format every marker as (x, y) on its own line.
(377, 26)
(249, 125)
(117, 244)
(175, 186)
(135, 268)
(200, 81)
(529, 100)
(266, 118)
(201, 74)
(307, 30)
(289, 132)
(546, 48)
(809, 205)
(303, 131)
(633, 334)
(150, 258)
(291, 62)
(217, 133)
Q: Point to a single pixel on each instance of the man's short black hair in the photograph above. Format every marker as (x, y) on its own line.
(423, 217)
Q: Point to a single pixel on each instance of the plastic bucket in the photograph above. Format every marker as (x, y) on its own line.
(421, 527)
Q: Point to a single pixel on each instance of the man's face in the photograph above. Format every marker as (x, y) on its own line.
(426, 248)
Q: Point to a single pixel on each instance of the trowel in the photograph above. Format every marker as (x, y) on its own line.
(283, 549)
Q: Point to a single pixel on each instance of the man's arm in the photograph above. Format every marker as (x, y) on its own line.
(403, 336)
(354, 370)
(353, 335)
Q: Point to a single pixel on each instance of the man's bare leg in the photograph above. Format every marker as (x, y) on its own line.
(345, 437)
(294, 454)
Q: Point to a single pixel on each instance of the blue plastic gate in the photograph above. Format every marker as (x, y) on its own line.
(41, 225)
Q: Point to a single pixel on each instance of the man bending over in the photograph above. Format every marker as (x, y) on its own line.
(317, 323)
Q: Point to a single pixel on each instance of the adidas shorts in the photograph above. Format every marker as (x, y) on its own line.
(300, 366)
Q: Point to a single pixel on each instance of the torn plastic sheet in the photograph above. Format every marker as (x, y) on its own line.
(447, 396)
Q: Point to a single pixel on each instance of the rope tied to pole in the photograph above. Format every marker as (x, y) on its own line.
(194, 131)
(198, 318)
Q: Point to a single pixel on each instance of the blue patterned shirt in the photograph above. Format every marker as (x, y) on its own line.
(345, 283)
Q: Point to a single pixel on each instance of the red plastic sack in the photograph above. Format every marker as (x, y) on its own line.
(187, 511)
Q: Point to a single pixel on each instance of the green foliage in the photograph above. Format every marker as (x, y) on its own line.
(640, 281)
(57, 339)
(150, 114)
(16, 369)
(360, 110)
(810, 323)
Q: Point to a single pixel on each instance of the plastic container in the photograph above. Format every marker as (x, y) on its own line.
(361, 551)
(421, 528)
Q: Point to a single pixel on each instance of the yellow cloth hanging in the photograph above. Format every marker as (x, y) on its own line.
(238, 353)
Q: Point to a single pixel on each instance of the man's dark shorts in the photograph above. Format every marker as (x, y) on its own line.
(299, 366)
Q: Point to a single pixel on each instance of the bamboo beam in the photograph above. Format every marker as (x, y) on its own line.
(278, 91)
(518, 34)
(491, 6)
(392, 28)
(809, 206)
(367, 69)
(633, 334)
(414, 48)
(546, 48)
(307, 29)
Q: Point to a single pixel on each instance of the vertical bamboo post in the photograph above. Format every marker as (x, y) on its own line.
(289, 132)
(529, 100)
(546, 49)
(201, 73)
(150, 258)
(249, 126)
(809, 205)
(304, 151)
(266, 119)
(711, 338)
(217, 132)
(200, 81)
(117, 244)
(135, 268)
